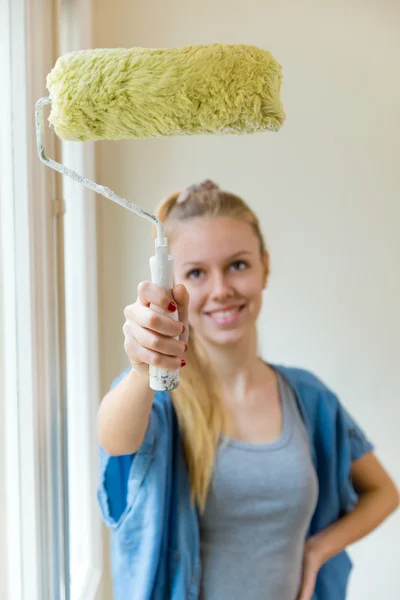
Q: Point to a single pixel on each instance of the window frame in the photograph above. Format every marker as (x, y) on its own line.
(37, 252)
(82, 342)
(33, 492)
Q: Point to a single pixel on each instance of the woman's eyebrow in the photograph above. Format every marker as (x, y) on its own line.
(241, 252)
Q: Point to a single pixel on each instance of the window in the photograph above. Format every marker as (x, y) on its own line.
(32, 510)
(52, 548)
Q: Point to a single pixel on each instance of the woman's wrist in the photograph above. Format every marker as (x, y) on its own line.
(316, 547)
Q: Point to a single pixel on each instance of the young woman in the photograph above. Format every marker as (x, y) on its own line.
(249, 481)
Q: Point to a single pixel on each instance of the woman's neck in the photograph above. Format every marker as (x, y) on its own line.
(238, 366)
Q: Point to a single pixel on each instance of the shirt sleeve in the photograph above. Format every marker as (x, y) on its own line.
(359, 442)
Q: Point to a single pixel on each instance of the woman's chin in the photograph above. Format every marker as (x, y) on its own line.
(226, 338)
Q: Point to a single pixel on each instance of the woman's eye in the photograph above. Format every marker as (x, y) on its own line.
(239, 265)
(194, 274)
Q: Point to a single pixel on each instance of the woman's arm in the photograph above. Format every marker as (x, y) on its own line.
(378, 498)
(124, 414)
(150, 339)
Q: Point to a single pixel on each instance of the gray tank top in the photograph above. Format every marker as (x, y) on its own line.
(260, 503)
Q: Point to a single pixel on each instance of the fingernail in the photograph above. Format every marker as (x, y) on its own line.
(184, 329)
(186, 348)
(183, 363)
(172, 307)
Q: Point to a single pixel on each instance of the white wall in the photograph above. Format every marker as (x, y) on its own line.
(326, 188)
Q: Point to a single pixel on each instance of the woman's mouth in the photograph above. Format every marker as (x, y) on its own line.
(226, 316)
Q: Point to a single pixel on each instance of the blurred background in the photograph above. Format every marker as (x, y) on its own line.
(326, 188)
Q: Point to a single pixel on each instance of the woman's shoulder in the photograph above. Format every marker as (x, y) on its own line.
(304, 379)
(324, 410)
(318, 403)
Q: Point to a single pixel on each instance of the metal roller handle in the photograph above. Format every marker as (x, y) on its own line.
(160, 264)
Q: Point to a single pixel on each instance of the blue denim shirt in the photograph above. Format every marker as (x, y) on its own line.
(145, 498)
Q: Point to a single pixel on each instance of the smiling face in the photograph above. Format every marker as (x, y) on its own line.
(220, 263)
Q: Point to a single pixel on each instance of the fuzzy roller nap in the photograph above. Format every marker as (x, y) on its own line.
(118, 93)
(137, 93)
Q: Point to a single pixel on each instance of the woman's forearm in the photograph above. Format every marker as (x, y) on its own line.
(124, 413)
(372, 509)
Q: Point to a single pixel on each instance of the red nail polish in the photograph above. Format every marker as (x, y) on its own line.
(184, 329)
(186, 347)
(183, 363)
(172, 307)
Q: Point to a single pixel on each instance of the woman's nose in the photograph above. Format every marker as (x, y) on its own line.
(221, 288)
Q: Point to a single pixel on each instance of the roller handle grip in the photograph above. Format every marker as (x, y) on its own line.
(161, 266)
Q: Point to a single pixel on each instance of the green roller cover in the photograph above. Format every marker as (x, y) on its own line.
(140, 92)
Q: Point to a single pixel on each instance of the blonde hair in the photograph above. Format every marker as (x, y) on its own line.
(198, 401)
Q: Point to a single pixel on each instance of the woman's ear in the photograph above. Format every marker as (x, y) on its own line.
(266, 268)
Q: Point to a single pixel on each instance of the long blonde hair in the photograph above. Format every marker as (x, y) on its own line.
(198, 401)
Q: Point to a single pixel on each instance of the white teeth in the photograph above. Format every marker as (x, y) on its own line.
(225, 314)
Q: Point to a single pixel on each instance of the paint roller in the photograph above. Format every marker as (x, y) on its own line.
(141, 93)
